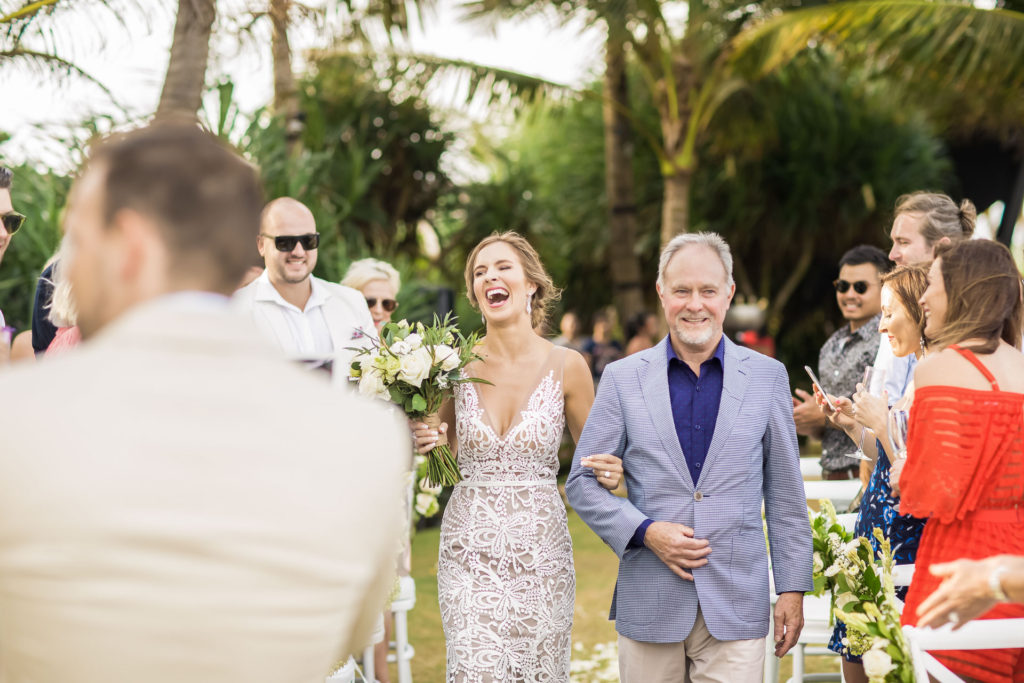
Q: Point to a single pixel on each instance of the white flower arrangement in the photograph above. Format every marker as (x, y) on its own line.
(863, 596)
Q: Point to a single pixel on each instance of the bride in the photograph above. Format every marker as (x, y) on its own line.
(505, 576)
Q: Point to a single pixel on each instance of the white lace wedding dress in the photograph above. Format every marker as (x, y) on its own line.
(505, 574)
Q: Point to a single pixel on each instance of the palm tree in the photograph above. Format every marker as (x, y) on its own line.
(964, 64)
(185, 81)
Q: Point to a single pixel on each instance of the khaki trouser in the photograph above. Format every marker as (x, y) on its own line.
(698, 659)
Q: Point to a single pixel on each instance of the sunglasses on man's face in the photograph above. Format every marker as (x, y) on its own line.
(286, 243)
(388, 305)
(12, 221)
(843, 286)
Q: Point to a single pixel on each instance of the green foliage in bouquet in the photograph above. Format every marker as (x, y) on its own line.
(417, 367)
(863, 596)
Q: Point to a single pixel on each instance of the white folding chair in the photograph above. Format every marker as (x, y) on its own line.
(810, 468)
(841, 492)
(369, 665)
(985, 634)
(404, 652)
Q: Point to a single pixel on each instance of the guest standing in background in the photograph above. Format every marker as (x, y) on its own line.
(10, 222)
(641, 331)
(845, 355)
(965, 446)
(63, 313)
(601, 348)
(379, 284)
(308, 318)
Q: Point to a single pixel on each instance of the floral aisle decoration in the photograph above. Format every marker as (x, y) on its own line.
(416, 367)
(425, 493)
(863, 596)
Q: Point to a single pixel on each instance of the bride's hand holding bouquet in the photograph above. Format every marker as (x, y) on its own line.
(416, 367)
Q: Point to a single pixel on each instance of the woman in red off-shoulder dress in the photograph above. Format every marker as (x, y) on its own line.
(965, 448)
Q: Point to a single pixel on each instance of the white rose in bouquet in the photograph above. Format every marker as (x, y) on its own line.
(415, 366)
(448, 357)
(414, 341)
(877, 664)
(426, 487)
(401, 348)
(426, 505)
(371, 385)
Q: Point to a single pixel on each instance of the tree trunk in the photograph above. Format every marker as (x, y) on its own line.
(675, 210)
(182, 94)
(627, 279)
(675, 110)
(286, 96)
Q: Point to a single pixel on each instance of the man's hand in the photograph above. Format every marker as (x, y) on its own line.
(809, 419)
(675, 545)
(789, 621)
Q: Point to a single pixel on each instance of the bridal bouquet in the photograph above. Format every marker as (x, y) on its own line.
(416, 367)
(863, 596)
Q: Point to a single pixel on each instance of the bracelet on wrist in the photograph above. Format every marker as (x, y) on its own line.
(995, 584)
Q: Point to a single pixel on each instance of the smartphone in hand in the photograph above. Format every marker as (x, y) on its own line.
(814, 380)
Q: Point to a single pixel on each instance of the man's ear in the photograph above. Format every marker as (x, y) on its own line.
(259, 245)
(138, 247)
(943, 240)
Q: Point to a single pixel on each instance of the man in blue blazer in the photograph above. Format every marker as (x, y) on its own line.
(705, 432)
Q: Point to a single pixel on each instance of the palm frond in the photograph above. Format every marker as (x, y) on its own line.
(29, 10)
(944, 52)
(53, 65)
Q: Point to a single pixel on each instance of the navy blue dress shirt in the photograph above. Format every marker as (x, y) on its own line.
(695, 403)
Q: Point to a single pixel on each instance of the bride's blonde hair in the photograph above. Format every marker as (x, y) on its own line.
(546, 294)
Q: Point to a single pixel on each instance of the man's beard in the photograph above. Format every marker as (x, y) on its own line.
(695, 338)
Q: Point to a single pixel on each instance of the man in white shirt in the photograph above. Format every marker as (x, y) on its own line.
(11, 221)
(307, 317)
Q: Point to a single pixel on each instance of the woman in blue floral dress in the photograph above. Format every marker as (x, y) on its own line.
(903, 323)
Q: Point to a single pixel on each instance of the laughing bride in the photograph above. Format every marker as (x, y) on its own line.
(505, 573)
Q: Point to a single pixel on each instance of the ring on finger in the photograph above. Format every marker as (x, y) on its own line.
(953, 617)
(607, 475)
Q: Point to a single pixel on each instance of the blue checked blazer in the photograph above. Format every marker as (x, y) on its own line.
(753, 457)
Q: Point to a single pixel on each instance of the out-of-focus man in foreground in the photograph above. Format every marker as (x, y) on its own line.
(176, 501)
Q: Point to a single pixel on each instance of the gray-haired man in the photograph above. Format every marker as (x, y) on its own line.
(705, 432)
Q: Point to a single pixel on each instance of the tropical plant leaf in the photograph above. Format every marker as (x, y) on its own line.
(966, 63)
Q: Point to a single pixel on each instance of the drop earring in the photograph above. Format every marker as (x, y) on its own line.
(529, 308)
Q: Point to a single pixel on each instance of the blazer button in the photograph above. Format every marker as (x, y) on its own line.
(698, 496)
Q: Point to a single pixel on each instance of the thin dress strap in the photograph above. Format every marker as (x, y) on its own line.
(969, 355)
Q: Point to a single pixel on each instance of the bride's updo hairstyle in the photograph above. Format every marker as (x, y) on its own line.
(546, 293)
(983, 295)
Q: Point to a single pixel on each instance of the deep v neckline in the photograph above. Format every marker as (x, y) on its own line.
(517, 416)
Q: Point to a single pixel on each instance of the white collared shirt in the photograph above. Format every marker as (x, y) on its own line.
(310, 334)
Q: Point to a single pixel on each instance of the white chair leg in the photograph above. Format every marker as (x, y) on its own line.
(771, 662)
(402, 647)
(369, 673)
(798, 663)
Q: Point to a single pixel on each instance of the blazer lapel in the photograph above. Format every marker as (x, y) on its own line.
(341, 323)
(275, 320)
(734, 387)
(653, 379)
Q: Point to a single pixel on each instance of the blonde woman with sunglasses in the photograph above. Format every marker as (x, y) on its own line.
(379, 283)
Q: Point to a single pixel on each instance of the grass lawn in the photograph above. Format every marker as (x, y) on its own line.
(596, 568)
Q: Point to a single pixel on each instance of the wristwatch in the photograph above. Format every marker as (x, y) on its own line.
(996, 586)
